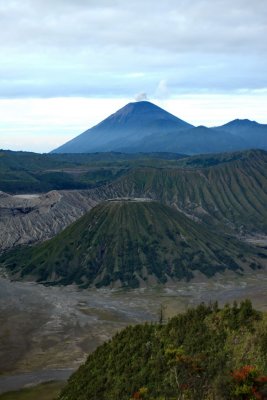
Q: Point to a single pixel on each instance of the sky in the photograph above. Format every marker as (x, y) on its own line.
(65, 65)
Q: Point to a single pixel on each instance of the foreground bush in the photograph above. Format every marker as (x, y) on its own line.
(205, 353)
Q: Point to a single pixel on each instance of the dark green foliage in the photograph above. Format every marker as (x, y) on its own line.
(191, 357)
(237, 316)
(125, 242)
(226, 190)
(23, 172)
(231, 194)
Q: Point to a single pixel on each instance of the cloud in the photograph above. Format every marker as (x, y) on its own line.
(80, 53)
(141, 97)
(212, 25)
(162, 90)
(102, 48)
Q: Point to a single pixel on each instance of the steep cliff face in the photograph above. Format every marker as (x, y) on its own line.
(29, 219)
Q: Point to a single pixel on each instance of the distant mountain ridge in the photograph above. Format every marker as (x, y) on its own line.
(144, 127)
(195, 140)
(125, 128)
(253, 133)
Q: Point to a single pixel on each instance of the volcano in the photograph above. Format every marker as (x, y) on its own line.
(127, 243)
(125, 129)
(144, 127)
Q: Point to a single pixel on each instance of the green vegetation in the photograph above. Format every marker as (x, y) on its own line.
(44, 391)
(205, 353)
(226, 190)
(128, 242)
(230, 194)
(209, 160)
(23, 172)
(125, 244)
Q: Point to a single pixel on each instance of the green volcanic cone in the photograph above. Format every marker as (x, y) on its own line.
(128, 243)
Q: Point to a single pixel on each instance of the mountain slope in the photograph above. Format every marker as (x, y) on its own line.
(228, 190)
(128, 242)
(29, 219)
(205, 353)
(197, 140)
(124, 129)
(145, 127)
(253, 133)
(25, 172)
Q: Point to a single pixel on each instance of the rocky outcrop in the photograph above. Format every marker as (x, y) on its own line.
(27, 219)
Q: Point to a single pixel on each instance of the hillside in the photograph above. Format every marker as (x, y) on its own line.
(196, 140)
(24, 172)
(124, 130)
(224, 190)
(253, 133)
(144, 127)
(131, 243)
(26, 219)
(228, 190)
(206, 353)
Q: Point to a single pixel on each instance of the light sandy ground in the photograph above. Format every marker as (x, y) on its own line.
(56, 327)
(44, 329)
(27, 196)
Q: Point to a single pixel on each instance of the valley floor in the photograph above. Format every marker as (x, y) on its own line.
(43, 391)
(50, 328)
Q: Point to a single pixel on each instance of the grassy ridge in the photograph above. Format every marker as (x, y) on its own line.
(206, 353)
(232, 193)
(126, 242)
(23, 172)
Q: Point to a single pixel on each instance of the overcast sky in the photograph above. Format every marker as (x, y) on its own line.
(67, 64)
